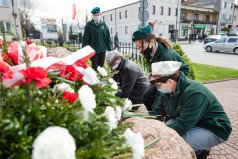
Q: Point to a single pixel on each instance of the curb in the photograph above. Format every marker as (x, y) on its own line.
(220, 81)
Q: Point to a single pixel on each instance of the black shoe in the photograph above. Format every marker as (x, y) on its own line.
(202, 154)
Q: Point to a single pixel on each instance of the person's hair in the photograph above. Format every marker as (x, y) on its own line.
(118, 57)
(164, 79)
(160, 39)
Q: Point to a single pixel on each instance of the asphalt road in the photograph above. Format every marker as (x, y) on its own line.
(198, 55)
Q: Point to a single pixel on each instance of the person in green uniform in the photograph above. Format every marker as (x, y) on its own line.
(190, 108)
(155, 49)
(96, 35)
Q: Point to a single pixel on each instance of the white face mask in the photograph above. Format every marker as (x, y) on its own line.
(115, 66)
(164, 91)
(97, 19)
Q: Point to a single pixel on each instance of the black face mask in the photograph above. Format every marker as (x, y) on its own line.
(147, 51)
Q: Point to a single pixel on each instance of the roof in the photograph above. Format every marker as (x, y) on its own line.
(198, 8)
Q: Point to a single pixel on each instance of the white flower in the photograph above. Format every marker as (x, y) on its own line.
(113, 83)
(23, 44)
(111, 117)
(54, 143)
(56, 101)
(127, 105)
(87, 98)
(102, 71)
(118, 113)
(136, 142)
(62, 87)
(90, 76)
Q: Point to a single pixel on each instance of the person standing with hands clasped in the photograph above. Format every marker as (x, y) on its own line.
(155, 49)
(96, 35)
(189, 108)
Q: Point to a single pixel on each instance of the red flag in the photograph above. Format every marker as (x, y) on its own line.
(74, 11)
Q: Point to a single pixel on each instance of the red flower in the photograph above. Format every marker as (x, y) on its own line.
(28, 42)
(1, 42)
(70, 73)
(81, 63)
(70, 97)
(5, 70)
(38, 75)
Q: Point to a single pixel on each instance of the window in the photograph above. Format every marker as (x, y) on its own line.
(176, 12)
(8, 26)
(111, 30)
(230, 18)
(207, 18)
(231, 5)
(169, 11)
(126, 29)
(224, 4)
(184, 15)
(161, 10)
(171, 27)
(234, 18)
(1, 24)
(119, 15)
(196, 17)
(125, 13)
(232, 40)
(153, 9)
(3, 3)
(111, 17)
(221, 40)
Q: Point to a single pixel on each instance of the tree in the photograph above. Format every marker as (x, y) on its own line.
(25, 17)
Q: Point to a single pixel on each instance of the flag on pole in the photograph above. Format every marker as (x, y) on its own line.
(74, 11)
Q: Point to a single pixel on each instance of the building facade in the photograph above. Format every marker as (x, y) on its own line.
(9, 17)
(225, 8)
(235, 18)
(125, 21)
(198, 21)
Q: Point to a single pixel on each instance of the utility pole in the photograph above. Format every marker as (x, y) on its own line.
(143, 19)
(177, 31)
(14, 17)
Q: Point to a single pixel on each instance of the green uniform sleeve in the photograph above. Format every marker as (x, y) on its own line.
(86, 36)
(192, 110)
(108, 40)
(158, 107)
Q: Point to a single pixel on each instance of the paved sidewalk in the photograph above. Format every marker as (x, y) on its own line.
(227, 94)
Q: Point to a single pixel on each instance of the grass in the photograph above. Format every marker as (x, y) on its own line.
(207, 73)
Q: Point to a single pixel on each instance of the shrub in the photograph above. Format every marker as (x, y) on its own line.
(180, 51)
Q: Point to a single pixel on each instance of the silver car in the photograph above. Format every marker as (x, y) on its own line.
(229, 44)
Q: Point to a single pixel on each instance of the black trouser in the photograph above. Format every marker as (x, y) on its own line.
(149, 97)
(98, 60)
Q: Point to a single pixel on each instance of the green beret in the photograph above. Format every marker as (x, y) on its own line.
(95, 10)
(142, 33)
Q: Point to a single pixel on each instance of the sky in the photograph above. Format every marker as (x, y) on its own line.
(63, 9)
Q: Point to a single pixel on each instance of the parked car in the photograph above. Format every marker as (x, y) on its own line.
(212, 38)
(229, 44)
(233, 34)
(223, 35)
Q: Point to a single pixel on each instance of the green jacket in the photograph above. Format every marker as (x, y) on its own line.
(97, 36)
(165, 54)
(191, 105)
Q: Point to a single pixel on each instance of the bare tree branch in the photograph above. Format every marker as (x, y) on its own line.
(25, 17)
